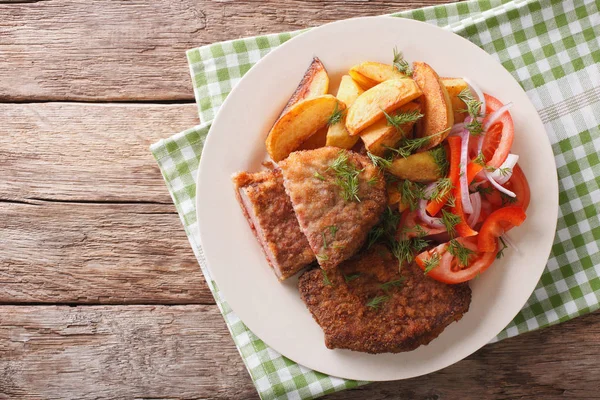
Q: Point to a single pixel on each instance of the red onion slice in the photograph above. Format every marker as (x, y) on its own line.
(493, 118)
(507, 166)
(463, 181)
(476, 202)
(501, 188)
(431, 221)
(457, 129)
(478, 92)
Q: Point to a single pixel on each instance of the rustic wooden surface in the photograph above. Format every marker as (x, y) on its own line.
(101, 294)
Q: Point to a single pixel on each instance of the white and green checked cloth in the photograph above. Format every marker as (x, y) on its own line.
(552, 48)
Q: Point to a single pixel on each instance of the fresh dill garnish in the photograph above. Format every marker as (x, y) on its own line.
(484, 190)
(385, 230)
(324, 240)
(480, 159)
(346, 176)
(326, 280)
(419, 231)
(395, 283)
(319, 176)
(474, 110)
(451, 201)
(442, 188)
(374, 235)
(372, 181)
(411, 192)
(336, 116)
(406, 250)
(504, 171)
(380, 162)
(432, 262)
(375, 302)
(450, 221)
(322, 257)
(506, 199)
(500, 253)
(460, 252)
(351, 277)
(408, 146)
(401, 64)
(401, 118)
(333, 230)
(439, 156)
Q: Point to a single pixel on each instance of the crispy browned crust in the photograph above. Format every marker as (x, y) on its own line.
(305, 84)
(276, 217)
(319, 204)
(415, 314)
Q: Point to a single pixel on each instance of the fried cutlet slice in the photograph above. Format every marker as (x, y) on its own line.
(370, 307)
(335, 219)
(269, 212)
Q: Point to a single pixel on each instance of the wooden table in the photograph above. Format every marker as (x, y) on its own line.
(101, 296)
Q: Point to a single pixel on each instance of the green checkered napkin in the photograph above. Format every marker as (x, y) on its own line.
(552, 49)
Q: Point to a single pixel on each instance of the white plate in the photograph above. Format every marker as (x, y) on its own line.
(274, 311)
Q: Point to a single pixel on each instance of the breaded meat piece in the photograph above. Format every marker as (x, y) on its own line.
(370, 307)
(338, 196)
(269, 212)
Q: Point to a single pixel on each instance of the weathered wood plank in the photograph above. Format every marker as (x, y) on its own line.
(185, 352)
(86, 152)
(97, 254)
(135, 50)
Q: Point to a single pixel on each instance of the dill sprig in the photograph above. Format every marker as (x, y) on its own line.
(377, 301)
(406, 250)
(442, 188)
(411, 192)
(450, 221)
(451, 201)
(333, 230)
(326, 280)
(460, 252)
(401, 64)
(441, 159)
(318, 176)
(385, 229)
(408, 146)
(380, 162)
(484, 190)
(322, 257)
(346, 176)
(506, 199)
(390, 284)
(432, 262)
(474, 110)
(500, 253)
(373, 181)
(336, 116)
(402, 118)
(351, 277)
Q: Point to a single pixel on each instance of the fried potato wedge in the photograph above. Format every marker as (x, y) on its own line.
(315, 82)
(436, 103)
(315, 141)
(362, 80)
(393, 193)
(387, 96)
(337, 135)
(419, 167)
(376, 72)
(454, 86)
(300, 122)
(379, 135)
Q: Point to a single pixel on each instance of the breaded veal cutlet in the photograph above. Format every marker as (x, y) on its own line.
(269, 212)
(367, 305)
(338, 196)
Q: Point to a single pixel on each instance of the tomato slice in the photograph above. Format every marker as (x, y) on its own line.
(499, 137)
(496, 224)
(520, 187)
(449, 270)
(408, 223)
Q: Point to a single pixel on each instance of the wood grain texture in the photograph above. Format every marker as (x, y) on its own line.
(86, 152)
(135, 50)
(185, 352)
(97, 254)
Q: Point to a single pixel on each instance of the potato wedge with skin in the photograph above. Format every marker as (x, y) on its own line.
(387, 96)
(362, 80)
(379, 135)
(377, 72)
(393, 193)
(300, 122)
(418, 167)
(315, 82)
(436, 103)
(315, 141)
(337, 135)
(454, 86)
